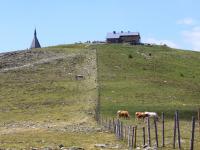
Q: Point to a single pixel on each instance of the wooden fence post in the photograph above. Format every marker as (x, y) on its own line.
(174, 139)
(143, 129)
(149, 132)
(125, 132)
(121, 130)
(156, 131)
(106, 123)
(178, 127)
(163, 129)
(114, 126)
(129, 132)
(199, 118)
(135, 135)
(109, 125)
(132, 140)
(118, 129)
(192, 137)
(99, 120)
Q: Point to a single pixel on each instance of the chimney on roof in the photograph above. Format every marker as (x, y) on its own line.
(114, 32)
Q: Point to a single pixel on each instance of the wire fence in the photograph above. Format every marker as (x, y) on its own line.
(150, 133)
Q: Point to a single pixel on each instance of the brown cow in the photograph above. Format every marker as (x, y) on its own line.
(123, 114)
(140, 115)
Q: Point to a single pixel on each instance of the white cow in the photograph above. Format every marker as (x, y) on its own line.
(152, 114)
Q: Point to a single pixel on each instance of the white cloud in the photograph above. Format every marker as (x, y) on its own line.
(161, 42)
(186, 21)
(192, 37)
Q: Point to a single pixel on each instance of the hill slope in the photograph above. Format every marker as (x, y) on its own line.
(42, 104)
(148, 78)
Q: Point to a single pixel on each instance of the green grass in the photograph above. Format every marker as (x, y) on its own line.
(154, 78)
(166, 81)
(50, 139)
(44, 89)
(38, 103)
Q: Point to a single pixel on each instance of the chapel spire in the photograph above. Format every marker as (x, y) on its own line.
(35, 43)
(35, 33)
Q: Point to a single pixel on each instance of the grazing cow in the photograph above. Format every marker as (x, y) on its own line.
(140, 115)
(123, 114)
(152, 114)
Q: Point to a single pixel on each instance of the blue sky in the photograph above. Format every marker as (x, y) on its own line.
(174, 22)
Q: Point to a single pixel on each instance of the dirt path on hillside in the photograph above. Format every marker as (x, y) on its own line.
(37, 62)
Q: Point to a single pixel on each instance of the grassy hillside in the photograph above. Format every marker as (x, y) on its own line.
(47, 88)
(41, 102)
(43, 105)
(148, 78)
